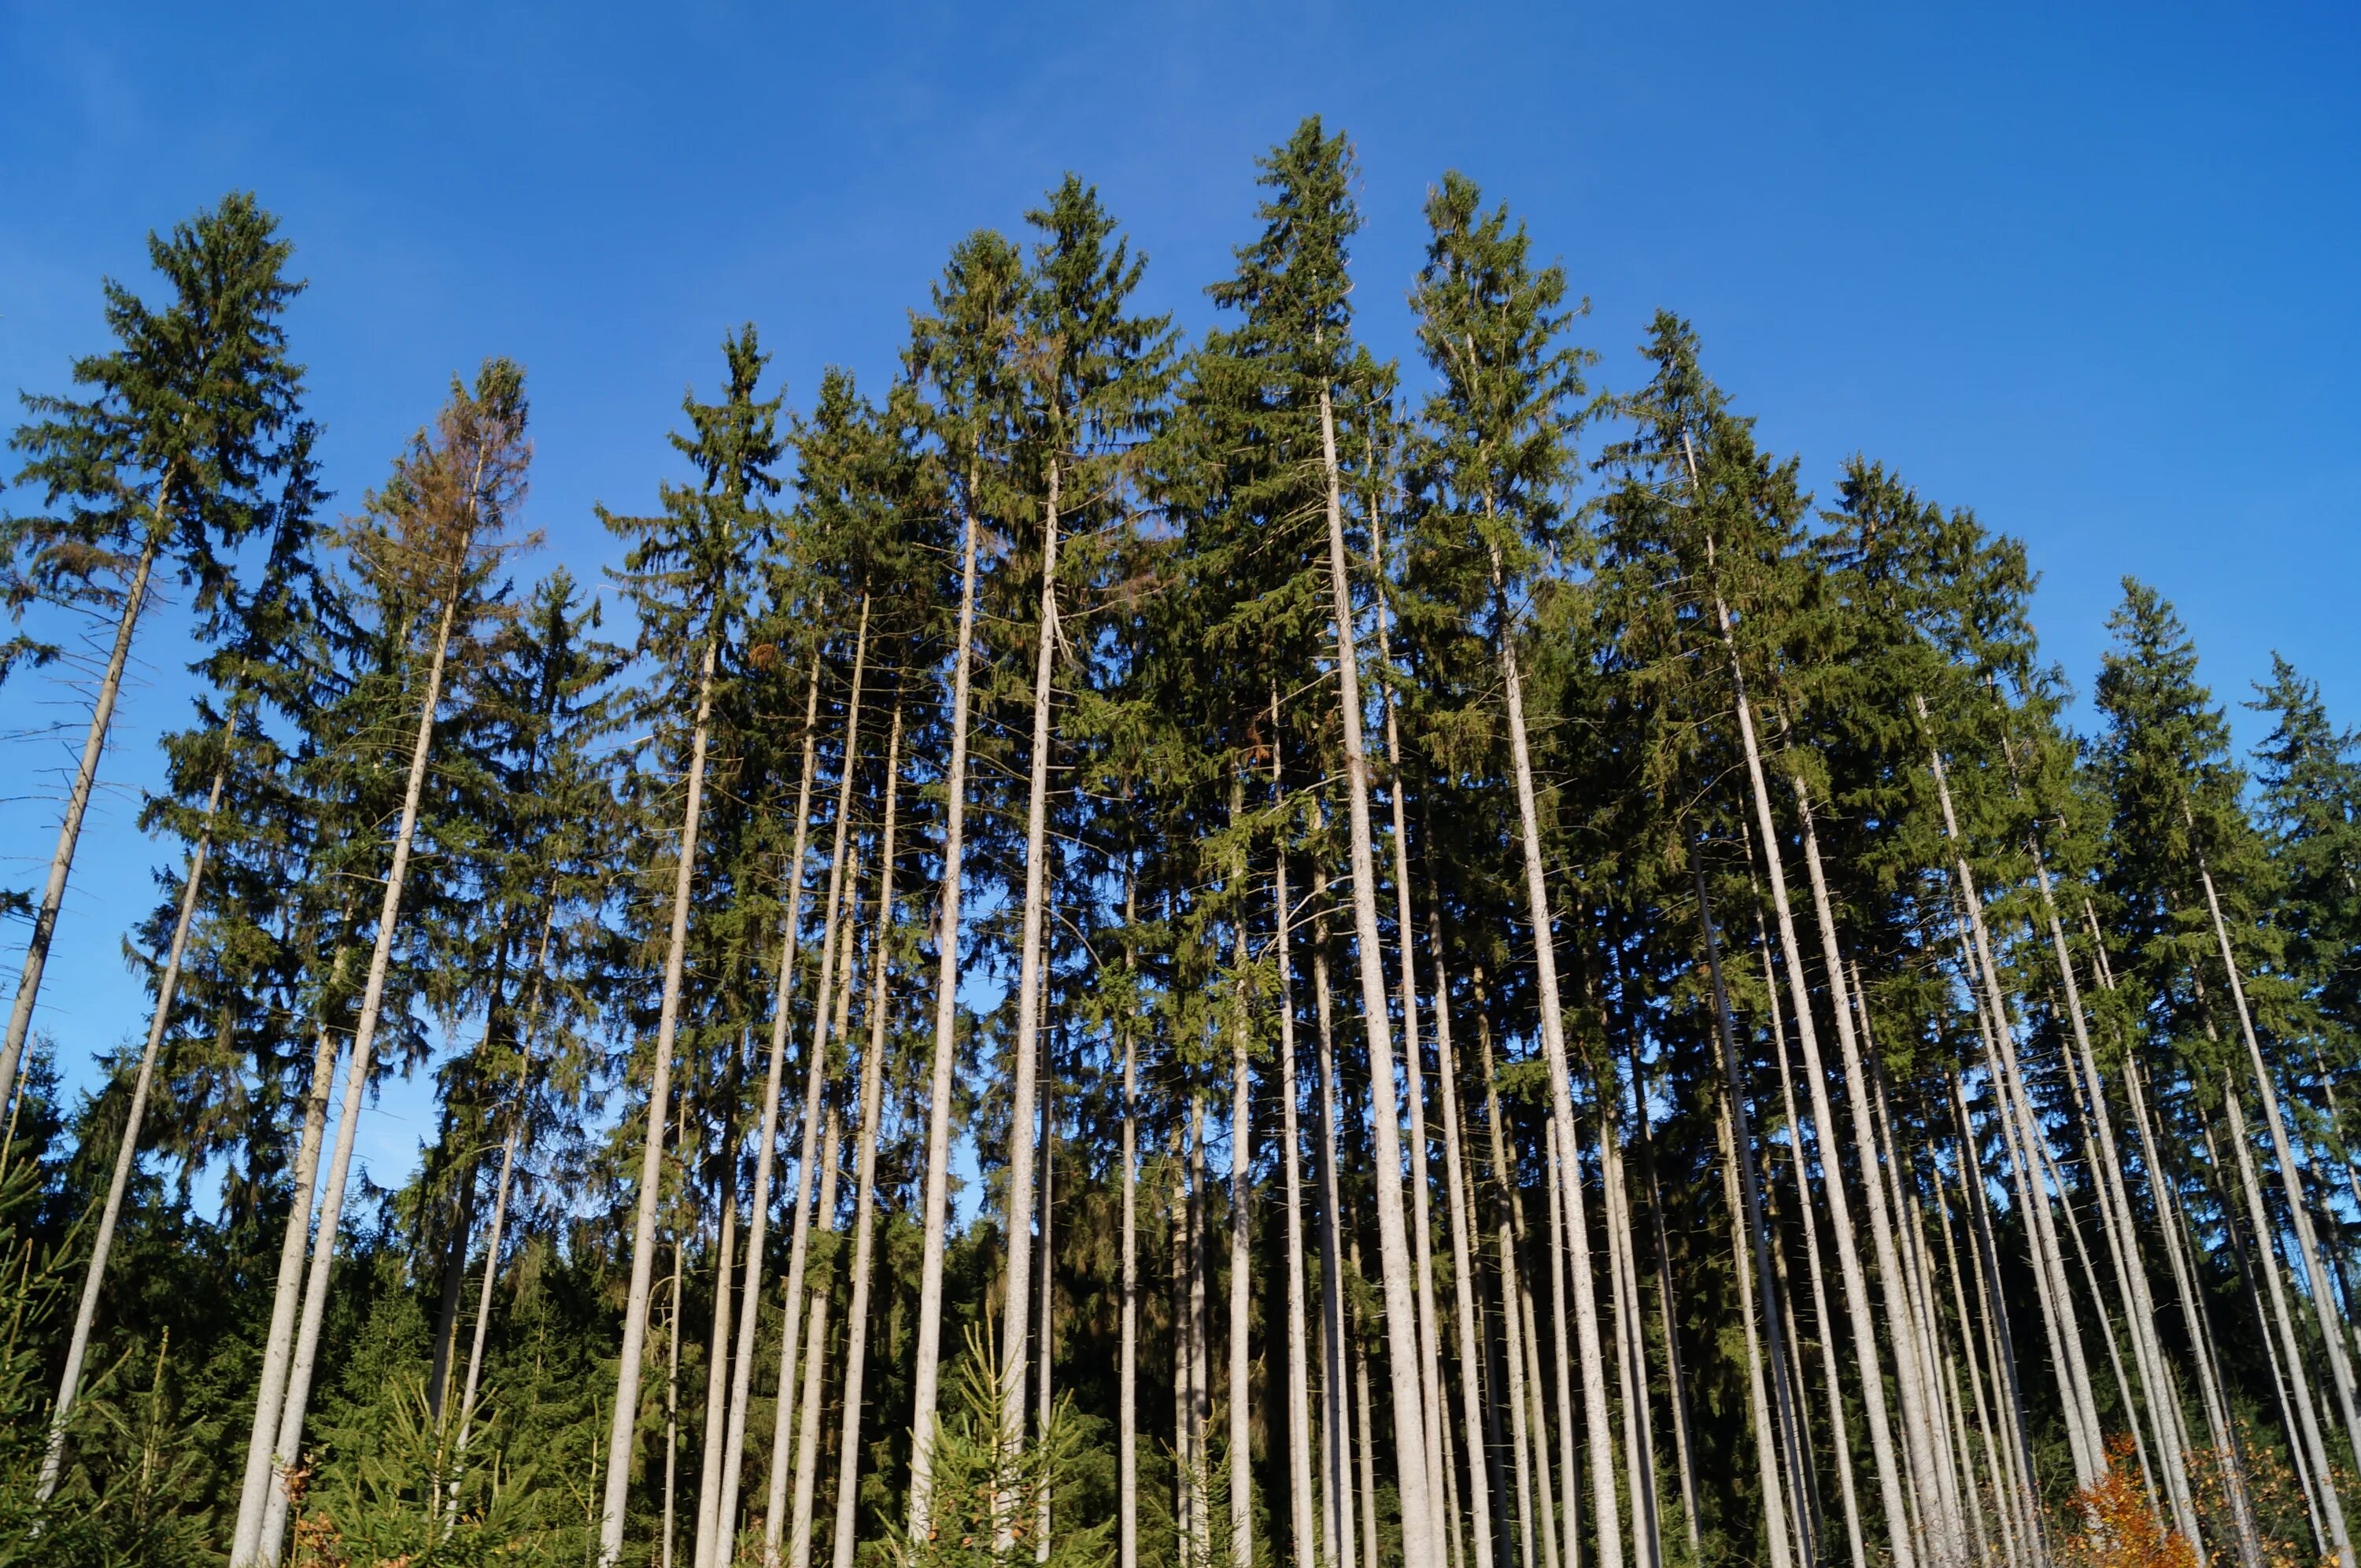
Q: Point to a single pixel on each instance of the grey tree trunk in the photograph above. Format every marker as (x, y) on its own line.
(1304, 1535)
(935, 1207)
(1462, 1261)
(53, 892)
(1420, 1532)
(717, 1356)
(2323, 1302)
(1334, 1376)
(767, 1148)
(1016, 1302)
(672, 1390)
(815, 1078)
(278, 1342)
(872, 1068)
(1746, 1187)
(1127, 1372)
(643, 1226)
(1600, 1437)
(1241, 1454)
(126, 1155)
(799, 1534)
(261, 1544)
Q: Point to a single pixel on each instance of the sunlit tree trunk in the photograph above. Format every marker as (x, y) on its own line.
(767, 1148)
(927, 1367)
(784, 1435)
(809, 1387)
(1127, 1372)
(1421, 1534)
(1334, 1377)
(1472, 1406)
(127, 1154)
(710, 1534)
(101, 716)
(1017, 1302)
(872, 1090)
(1743, 1188)
(261, 1544)
(1303, 1537)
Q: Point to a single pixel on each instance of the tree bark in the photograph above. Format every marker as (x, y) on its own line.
(1304, 1534)
(1127, 1413)
(1335, 1378)
(767, 1148)
(873, 1066)
(635, 1305)
(1462, 1259)
(53, 894)
(1017, 1305)
(799, 1535)
(128, 1152)
(1601, 1439)
(927, 1370)
(261, 1546)
(814, 1080)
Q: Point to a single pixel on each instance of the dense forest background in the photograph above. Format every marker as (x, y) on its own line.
(1118, 946)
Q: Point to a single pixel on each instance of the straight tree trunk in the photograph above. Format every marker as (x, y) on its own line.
(2090, 1443)
(1472, 1406)
(1303, 1537)
(927, 1370)
(1638, 1435)
(1563, 1156)
(128, 1152)
(1128, 1415)
(710, 1536)
(1602, 1440)
(1840, 1435)
(1017, 1305)
(261, 1546)
(1365, 1418)
(767, 1147)
(1335, 1378)
(809, 1387)
(1856, 1288)
(2324, 1302)
(279, 1342)
(1421, 1534)
(1241, 1456)
(872, 1090)
(2028, 1488)
(101, 718)
(814, 1080)
(1530, 1429)
(1744, 1185)
(1910, 1379)
(635, 1304)
(672, 1393)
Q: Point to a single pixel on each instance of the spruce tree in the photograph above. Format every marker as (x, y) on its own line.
(167, 455)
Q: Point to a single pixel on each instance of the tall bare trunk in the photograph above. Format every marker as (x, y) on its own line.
(2027, 1487)
(1472, 1406)
(635, 1305)
(1832, 1386)
(1564, 1156)
(1241, 1454)
(672, 1391)
(1016, 1302)
(128, 1152)
(1601, 1439)
(872, 1068)
(2291, 1351)
(1631, 1358)
(809, 1387)
(814, 1080)
(1127, 1372)
(1303, 1537)
(2089, 1444)
(1856, 1288)
(101, 716)
(927, 1369)
(710, 1536)
(2323, 1302)
(1421, 1536)
(260, 1545)
(767, 1147)
(1910, 1379)
(1529, 1429)
(278, 1342)
(1365, 1422)
(1746, 1186)
(1335, 1374)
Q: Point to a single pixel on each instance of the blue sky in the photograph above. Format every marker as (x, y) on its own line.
(2087, 270)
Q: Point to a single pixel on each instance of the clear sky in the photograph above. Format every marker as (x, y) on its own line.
(2089, 269)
